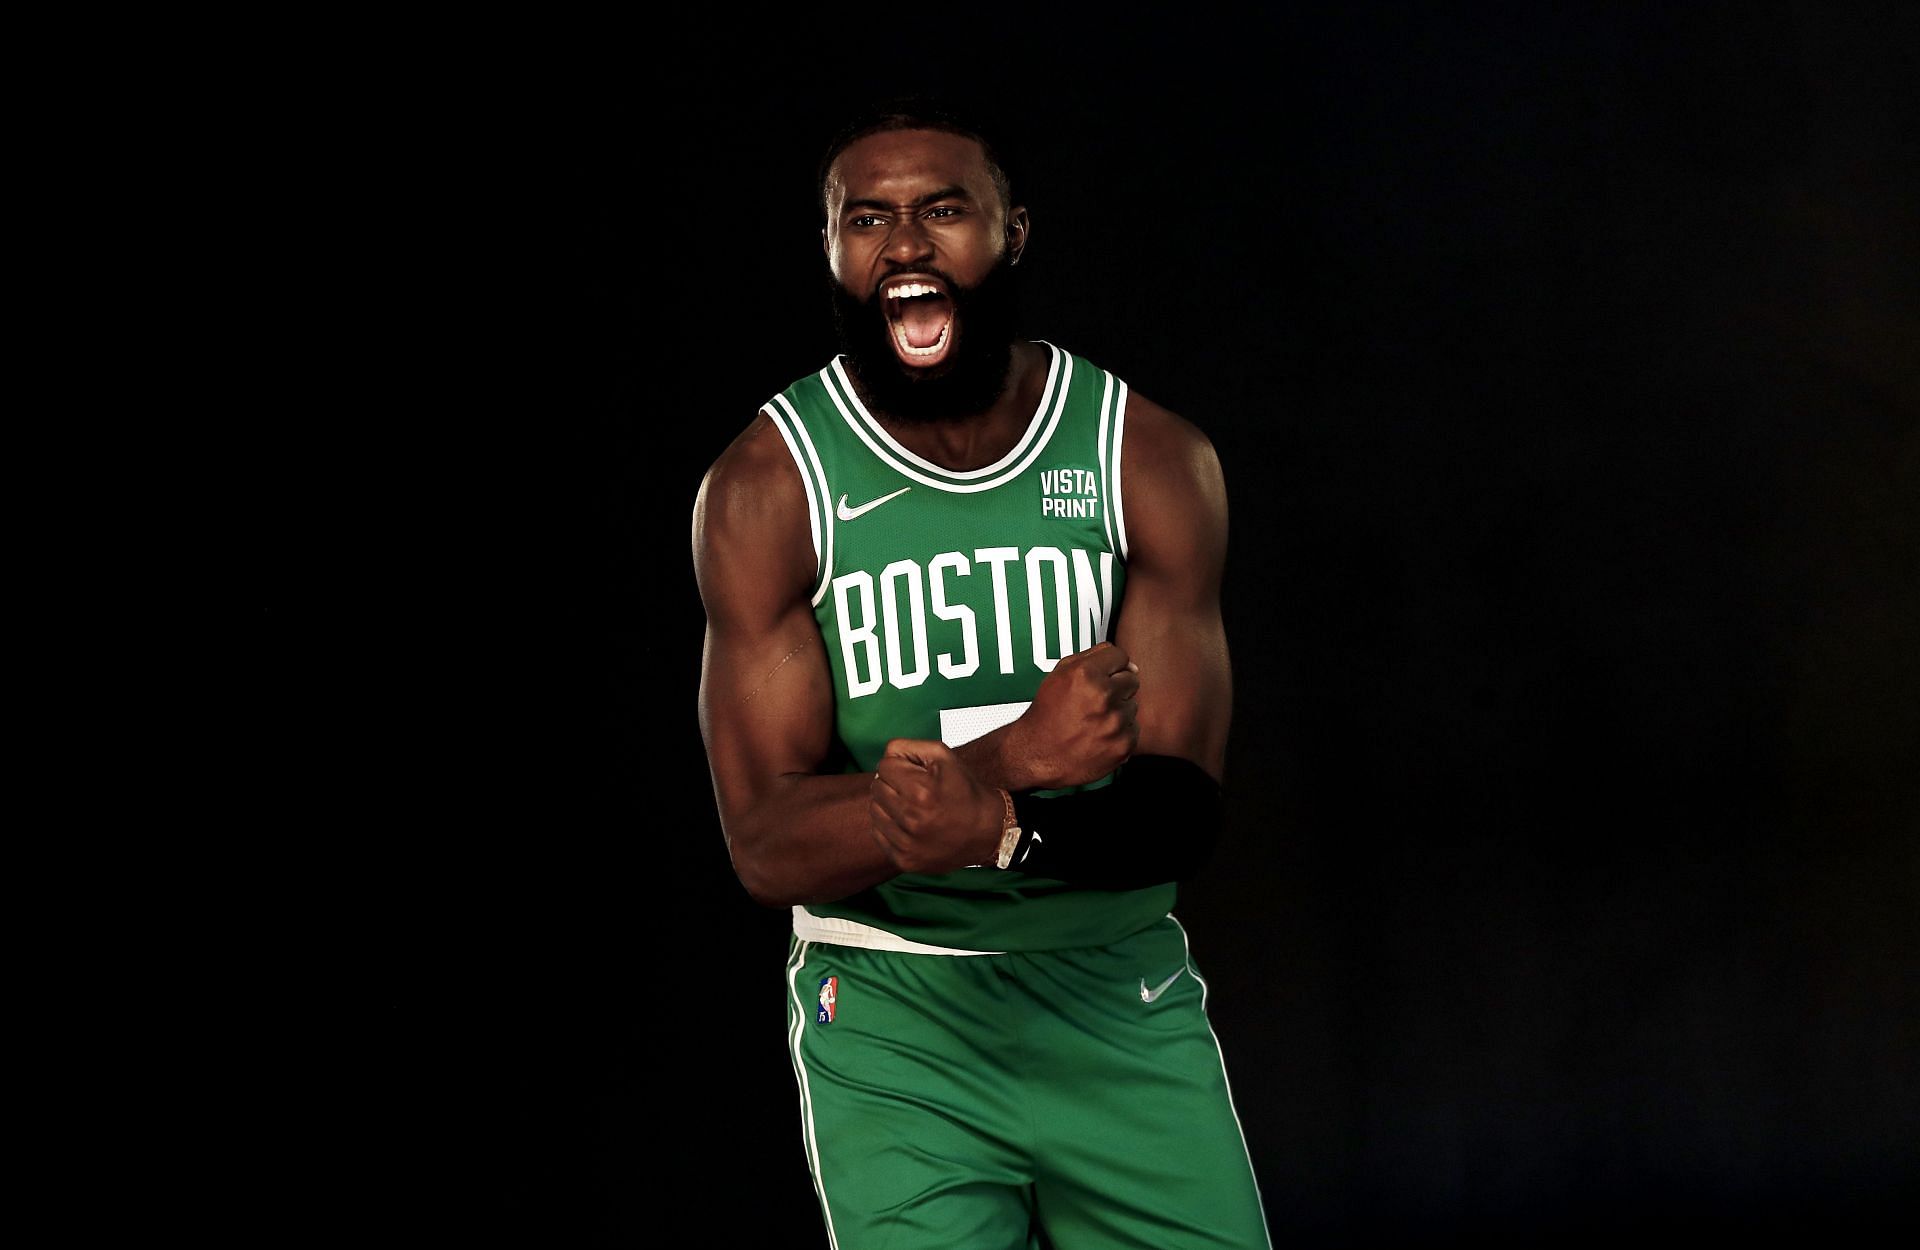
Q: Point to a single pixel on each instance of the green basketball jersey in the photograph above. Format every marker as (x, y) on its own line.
(944, 597)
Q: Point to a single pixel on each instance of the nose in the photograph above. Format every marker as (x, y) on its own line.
(908, 240)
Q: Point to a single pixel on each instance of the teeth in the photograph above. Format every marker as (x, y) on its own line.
(900, 335)
(908, 290)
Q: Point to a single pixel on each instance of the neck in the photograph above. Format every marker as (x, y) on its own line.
(978, 440)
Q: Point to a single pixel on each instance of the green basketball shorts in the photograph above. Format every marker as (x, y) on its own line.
(956, 1102)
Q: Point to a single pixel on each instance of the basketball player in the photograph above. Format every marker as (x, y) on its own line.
(965, 697)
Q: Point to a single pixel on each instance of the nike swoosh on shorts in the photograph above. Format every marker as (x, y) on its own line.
(1148, 995)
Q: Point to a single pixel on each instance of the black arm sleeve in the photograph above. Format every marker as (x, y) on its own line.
(1158, 820)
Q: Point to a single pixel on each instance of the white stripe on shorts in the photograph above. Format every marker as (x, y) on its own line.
(838, 932)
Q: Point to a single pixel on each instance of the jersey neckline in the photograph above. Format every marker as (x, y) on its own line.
(1032, 441)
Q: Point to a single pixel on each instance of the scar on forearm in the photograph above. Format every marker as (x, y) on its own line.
(776, 668)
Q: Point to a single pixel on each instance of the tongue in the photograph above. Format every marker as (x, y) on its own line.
(924, 319)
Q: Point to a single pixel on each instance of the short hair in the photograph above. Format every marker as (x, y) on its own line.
(919, 112)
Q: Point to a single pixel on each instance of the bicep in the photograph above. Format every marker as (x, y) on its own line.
(1186, 688)
(766, 698)
(1169, 620)
(766, 701)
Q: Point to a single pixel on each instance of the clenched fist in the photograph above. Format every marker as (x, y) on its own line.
(929, 812)
(1081, 725)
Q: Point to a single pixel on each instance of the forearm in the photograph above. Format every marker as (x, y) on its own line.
(1001, 759)
(1078, 728)
(807, 838)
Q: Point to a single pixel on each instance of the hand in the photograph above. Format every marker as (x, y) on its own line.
(1082, 724)
(929, 812)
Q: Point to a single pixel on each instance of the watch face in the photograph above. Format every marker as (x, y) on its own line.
(1009, 838)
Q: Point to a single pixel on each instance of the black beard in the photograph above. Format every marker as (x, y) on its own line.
(967, 384)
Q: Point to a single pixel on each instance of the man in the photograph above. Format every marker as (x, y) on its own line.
(965, 697)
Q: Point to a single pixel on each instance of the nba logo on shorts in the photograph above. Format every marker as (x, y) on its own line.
(829, 992)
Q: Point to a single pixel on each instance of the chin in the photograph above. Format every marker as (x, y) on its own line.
(974, 335)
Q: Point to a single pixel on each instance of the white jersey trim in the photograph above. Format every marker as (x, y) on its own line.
(1187, 946)
(1119, 433)
(832, 929)
(795, 1036)
(806, 480)
(820, 504)
(1100, 445)
(1053, 402)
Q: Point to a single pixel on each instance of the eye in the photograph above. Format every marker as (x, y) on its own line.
(943, 210)
(863, 219)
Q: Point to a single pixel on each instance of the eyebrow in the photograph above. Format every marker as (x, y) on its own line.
(944, 193)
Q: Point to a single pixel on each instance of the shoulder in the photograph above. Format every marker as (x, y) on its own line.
(752, 507)
(1155, 437)
(1157, 444)
(1164, 443)
(1173, 489)
(755, 476)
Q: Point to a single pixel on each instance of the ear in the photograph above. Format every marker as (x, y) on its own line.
(824, 245)
(1018, 230)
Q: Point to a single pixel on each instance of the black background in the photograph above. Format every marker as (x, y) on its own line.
(1562, 366)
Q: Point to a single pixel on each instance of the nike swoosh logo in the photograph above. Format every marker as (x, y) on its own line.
(847, 514)
(1147, 995)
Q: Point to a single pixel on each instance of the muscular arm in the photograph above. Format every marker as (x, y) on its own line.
(766, 704)
(1175, 501)
(1160, 818)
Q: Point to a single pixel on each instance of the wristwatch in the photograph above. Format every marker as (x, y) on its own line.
(1009, 833)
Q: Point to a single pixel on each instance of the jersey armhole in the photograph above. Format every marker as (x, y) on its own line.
(1113, 426)
(793, 432)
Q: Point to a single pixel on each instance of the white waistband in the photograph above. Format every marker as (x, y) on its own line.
(812, 928)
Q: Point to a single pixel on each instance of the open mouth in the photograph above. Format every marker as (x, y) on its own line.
(920, 315)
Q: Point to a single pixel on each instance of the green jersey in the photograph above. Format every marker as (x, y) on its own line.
(944, 596)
